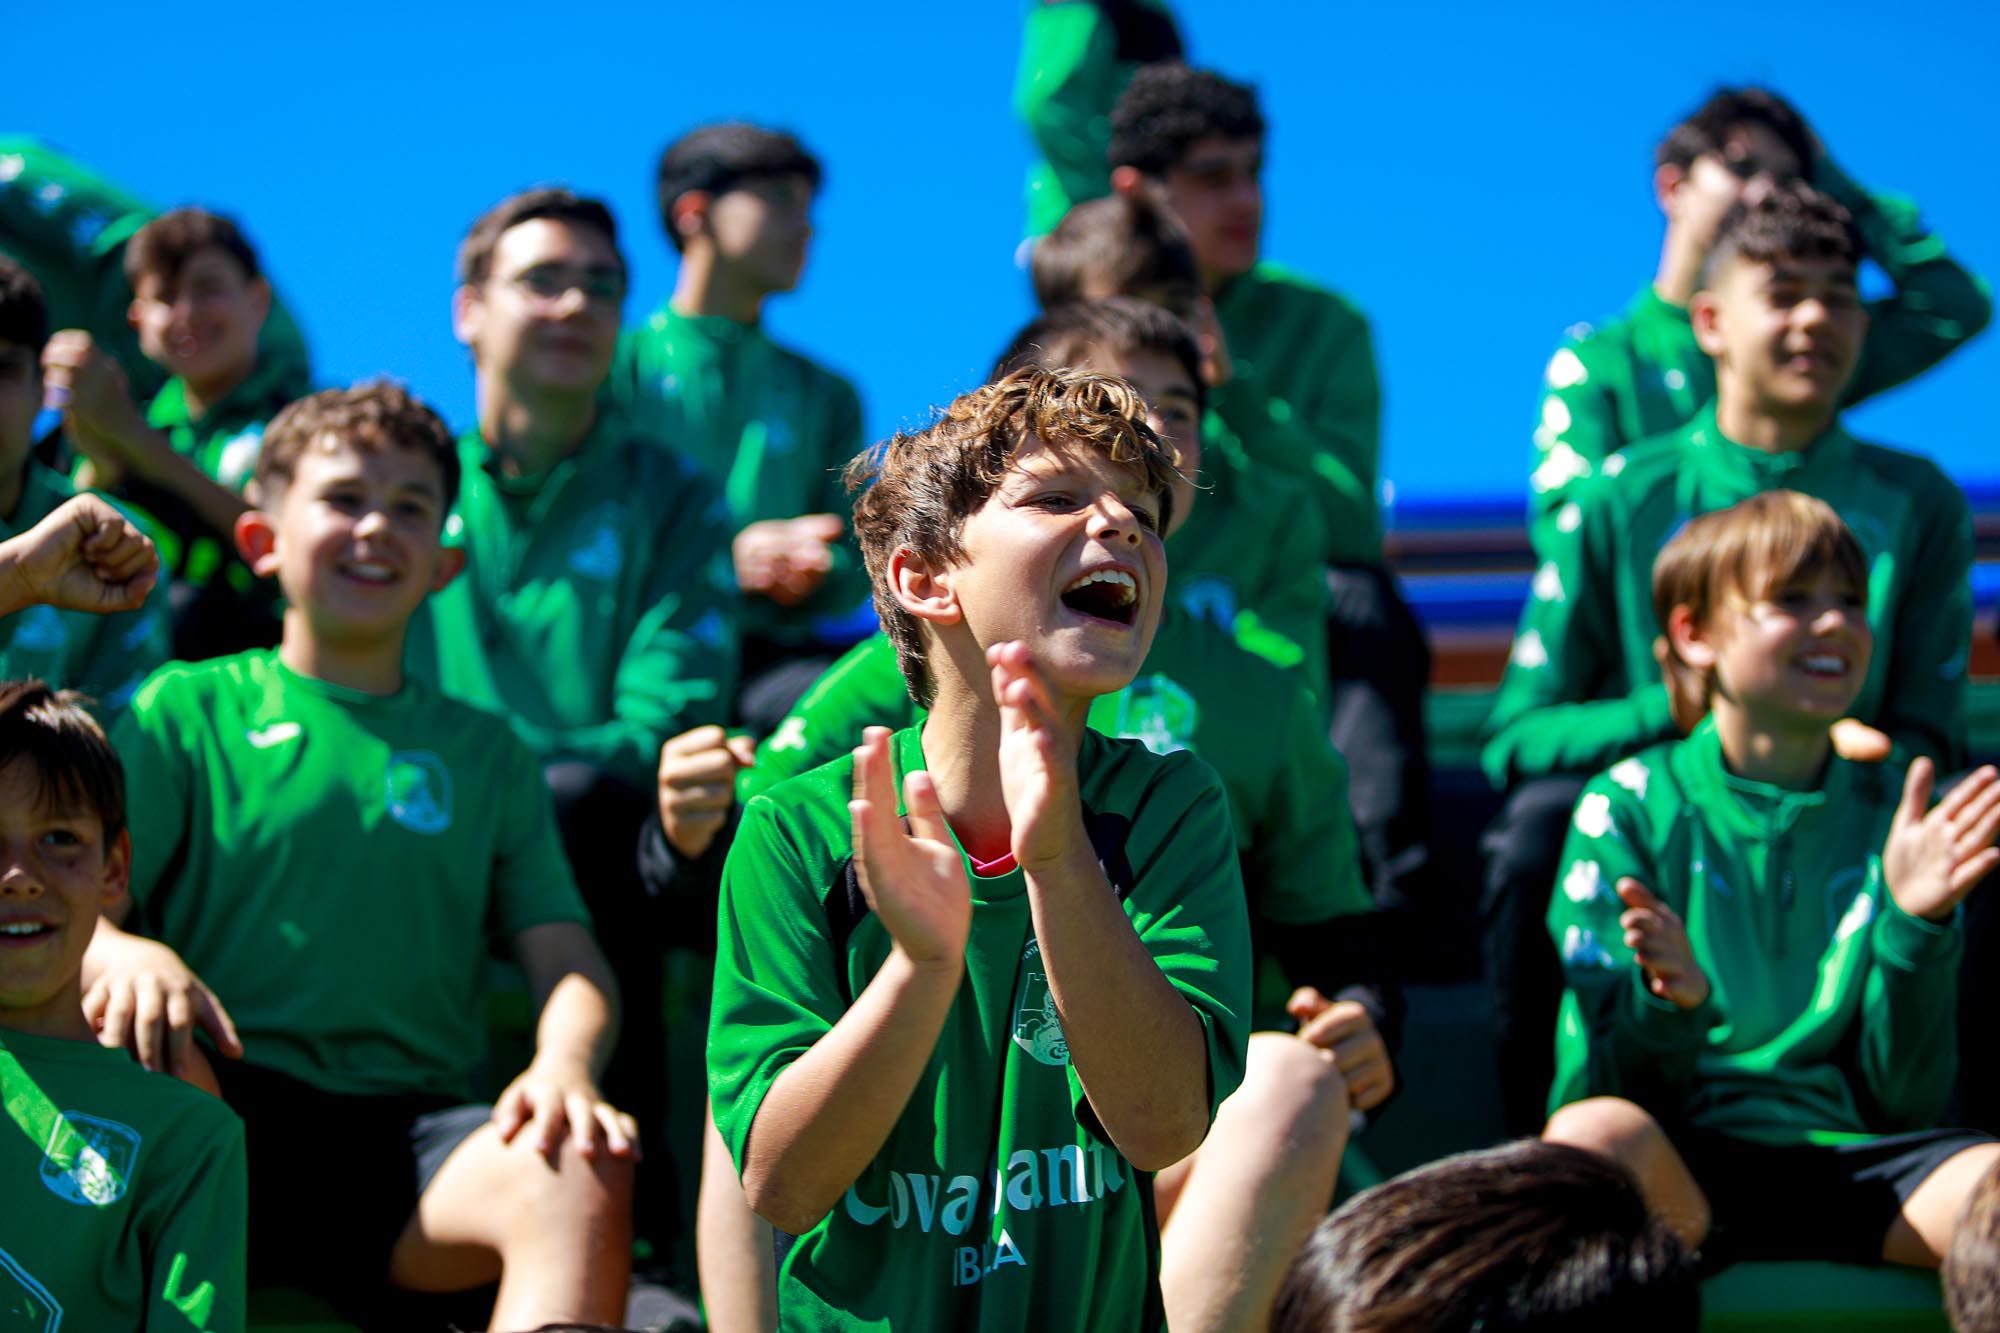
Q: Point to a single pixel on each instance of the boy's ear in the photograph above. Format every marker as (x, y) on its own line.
(690, 213)
(468, 309)
(257, 541)
(117, 869)
(1705, 315)
(923, 591)
(451, 563)
(1690, 642)
(1667, 180)
(260, 299)
(1128, 181)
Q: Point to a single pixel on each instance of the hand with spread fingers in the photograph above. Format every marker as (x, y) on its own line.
(141, 997)
(786, 559)
(910, 871)
(1037, 769)
(555, 1099)
(1934, 857)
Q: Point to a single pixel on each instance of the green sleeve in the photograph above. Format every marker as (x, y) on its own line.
(1936, 305)
(1305, 861)
(532, 881)
(123, 650)
(1908, 1050)
(158, 776)
(1188, 909)
(1923, 699)
(1292, 605)
(678, 668)
(1576, 429)
(1341, 419)
(777, 981)
(1266, 432)
(197, 1258)
(1613, 1036)
(1064, 88)
(864, 688)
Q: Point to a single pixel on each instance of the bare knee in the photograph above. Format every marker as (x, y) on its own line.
(596, 1189)
(1611, 1126)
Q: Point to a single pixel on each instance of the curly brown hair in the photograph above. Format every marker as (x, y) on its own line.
(917, 489)
(1792, 221)
(373, 416)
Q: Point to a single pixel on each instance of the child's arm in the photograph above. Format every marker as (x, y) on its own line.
(1576, 429)
(1135, 1042)
(109, 429)
(85, 556)
(557, 1093)
(195, 1244)
(832, 1108)
(140, 996)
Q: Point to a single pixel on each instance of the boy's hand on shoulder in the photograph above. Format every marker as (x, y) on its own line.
(910, 871)
(84, 556)
(1934, 857)
(1655, 932)
(556, 1098)
(1037, 773)
(1344, 1030)
(698, 771)
(1858, 743)
(143, 998)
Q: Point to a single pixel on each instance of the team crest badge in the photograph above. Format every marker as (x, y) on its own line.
(88, 1161)
(417, 791)
(1037, 1029)
(1209, 597)
(1156, 711)
(600, 554)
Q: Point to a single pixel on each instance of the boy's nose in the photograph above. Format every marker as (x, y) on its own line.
(17, 881)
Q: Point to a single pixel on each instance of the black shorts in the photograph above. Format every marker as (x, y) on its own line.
(335, 1178)
(1810, 1201)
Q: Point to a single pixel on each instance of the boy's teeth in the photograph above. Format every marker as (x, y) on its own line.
(1118, 578)
(1827, 664)
(23, 928)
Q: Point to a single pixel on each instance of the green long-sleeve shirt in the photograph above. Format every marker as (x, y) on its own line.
(1305, 397)
(1076, 58)
(1642, 374)
(1582, 689)
(596, 612)
(772, 427)
(1832, 1010)
(69, 226)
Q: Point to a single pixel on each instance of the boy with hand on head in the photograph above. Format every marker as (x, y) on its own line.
(1645, 373)
(101, 656)
(124, 1189)
(199, 301)
(1759, 937)
(1778, 313)
(312, 805)
(1035, 991)
(773, 427)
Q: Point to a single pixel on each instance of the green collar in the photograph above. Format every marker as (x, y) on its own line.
(262, 391)
(1755, 470)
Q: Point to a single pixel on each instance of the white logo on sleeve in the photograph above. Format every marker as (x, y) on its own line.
(790, 735)
(1566, 370)
(1529, 653)
(263, 738)
(1584, 881)
(88, 1160)
(1593, 814)
(417, 791)
(1548, 583)
(1633, 775)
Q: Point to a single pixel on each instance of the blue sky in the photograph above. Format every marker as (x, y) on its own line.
(1476, 176)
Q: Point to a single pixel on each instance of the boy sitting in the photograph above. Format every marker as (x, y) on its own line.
(1645, 372)
(944, 1054)
(199, 301)
(103, 657)
(1778, 312)
(770, 425)
(309, 810)
(124, 1188)
(1759, 937)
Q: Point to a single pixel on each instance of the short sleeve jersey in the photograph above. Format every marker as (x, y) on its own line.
(332, 864)
(105, 657)
(124, 1195)
(997, 1201)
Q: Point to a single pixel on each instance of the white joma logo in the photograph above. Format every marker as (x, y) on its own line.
(275, 734)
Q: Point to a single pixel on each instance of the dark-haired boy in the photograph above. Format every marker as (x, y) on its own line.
(1759, 937)
(771, 426)
(103, 657)
(328, 845)
(1778, 312)
(1644, 373)
(125, 1189)
(1008, 1010)
(199, 302)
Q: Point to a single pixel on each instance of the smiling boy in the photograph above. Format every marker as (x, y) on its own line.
(1778, 312)
(945, 1053)
(328, 846)
(124, 1189)
(1759, 937)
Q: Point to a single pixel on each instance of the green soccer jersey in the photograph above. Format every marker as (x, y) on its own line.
(597, 610)
(1643, 374)
(1076, 58)
(771, 427)
(332, 864)
(1305, 398)
(104, 657)
(124, 1196)
(997, 1201)
(69, 226)
(1582, 689)
(1831, 1009)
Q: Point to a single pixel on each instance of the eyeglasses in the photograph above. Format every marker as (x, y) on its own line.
(552, 282)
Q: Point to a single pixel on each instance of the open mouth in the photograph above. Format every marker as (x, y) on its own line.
(1823, 666)
(24, 932)
(369, 571)
(1104, 594)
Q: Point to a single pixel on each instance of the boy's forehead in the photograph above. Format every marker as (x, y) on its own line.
(550, 240)
(26, 789)
(209, 263)
(1039, 460)
(1218, 152)
(333, 457)
(1756, 274)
